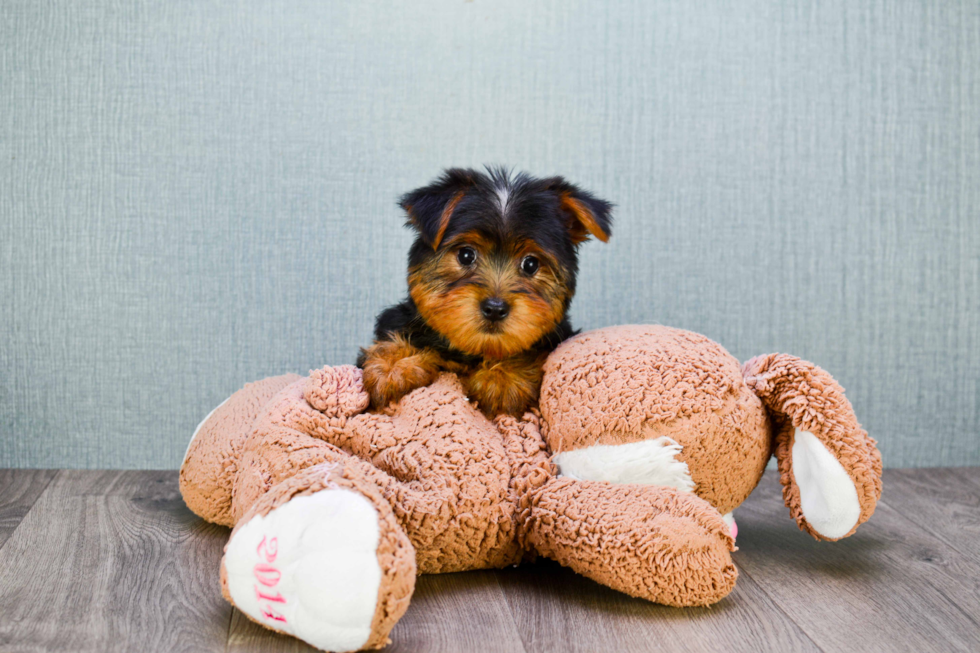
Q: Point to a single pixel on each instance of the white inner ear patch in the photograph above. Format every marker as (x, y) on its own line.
(651, 462)
(828, 498)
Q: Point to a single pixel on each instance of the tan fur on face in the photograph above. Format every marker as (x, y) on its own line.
(585, 223)
(447, 213)
(448, 296)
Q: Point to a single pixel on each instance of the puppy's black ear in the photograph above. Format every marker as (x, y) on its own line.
(586, 213)
(431, 207)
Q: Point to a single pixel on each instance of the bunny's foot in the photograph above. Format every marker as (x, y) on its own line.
(327, 564)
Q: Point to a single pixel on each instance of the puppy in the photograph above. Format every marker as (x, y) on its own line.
(491, 275)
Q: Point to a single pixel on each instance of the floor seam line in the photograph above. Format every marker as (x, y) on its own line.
(510, 611)
(968, 556)
(40, 494)
(231, 618)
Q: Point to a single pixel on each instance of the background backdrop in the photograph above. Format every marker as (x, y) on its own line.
(194, 195)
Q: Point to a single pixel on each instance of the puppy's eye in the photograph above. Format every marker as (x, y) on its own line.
(529, 265)
(466, 256)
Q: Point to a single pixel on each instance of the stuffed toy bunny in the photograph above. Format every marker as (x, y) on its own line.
(646, 439)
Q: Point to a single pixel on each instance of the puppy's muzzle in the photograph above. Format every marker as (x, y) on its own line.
(494, 309)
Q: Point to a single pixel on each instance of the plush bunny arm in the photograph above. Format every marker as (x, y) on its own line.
(829, 467)
(653, 542)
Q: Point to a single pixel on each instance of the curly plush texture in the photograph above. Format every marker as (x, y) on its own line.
(654, 543)
(336, 391)
(802, 396)
(454, 491)
(642, 382)
(438, 462)
(211, 463)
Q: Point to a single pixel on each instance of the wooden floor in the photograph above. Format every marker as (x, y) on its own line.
(114, 561)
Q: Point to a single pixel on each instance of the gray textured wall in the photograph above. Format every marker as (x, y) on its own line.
(193, 196)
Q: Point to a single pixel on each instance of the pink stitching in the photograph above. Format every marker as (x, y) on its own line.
(268, 551)
(269, 576)
(267, 597)
(269, 613)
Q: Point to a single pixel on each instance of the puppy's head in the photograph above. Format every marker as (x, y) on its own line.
(493, 267)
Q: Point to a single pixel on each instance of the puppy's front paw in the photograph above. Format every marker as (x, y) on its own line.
(393, 368)
(506, 387)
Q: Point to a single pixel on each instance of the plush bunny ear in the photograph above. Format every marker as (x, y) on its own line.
(431, 207)
(587, 214)
(829, 467)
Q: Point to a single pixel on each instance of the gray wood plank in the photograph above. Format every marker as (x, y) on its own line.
(109, 561)
(558, 610)
(943, 501)
(448, 613)
(19, 489)
(890, 587)
(246, 636)
(112, 561)
(458, 612)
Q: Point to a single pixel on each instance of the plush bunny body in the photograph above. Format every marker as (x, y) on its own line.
(646, 437)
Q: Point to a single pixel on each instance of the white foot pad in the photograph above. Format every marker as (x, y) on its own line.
(310, 568)
(828, 497)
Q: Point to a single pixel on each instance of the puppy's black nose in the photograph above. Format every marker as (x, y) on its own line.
(494, 309)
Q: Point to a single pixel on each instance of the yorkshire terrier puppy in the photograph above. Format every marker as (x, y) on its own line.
(491, 275)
